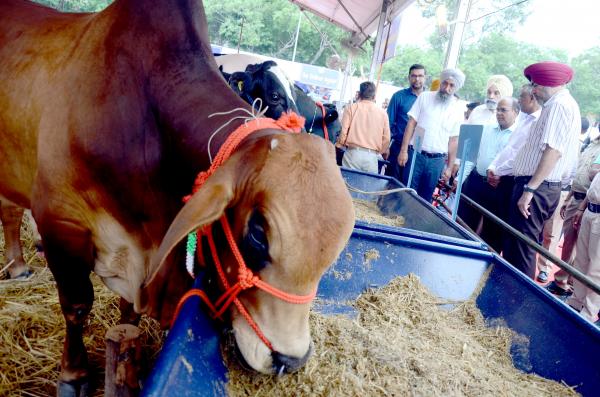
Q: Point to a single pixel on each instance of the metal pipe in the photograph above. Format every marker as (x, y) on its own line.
(585, 280)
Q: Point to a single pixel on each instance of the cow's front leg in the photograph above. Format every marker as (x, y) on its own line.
(70, 257)
(11, 217)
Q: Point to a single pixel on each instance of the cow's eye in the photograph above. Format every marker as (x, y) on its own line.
(255, 246)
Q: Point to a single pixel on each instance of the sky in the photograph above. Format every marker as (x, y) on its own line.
(571, 25)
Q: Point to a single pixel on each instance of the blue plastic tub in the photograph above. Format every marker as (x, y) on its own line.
(421, 220)
(562, 346)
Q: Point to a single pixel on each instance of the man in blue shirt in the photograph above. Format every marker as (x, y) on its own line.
(486, 192)
(397, 110)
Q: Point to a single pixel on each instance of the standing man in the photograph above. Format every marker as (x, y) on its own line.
(397, 110)
(587, 257)
(568, 211)
(477, 186)
(436, 117)
(542, 162)
(498, 86)
(365, 131)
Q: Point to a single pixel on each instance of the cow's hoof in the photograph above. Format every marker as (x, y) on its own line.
(75, 389)
(24, 275)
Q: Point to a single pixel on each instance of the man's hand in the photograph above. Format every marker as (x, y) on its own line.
(563, 210)
(447, 174)
(577, 219)
(402, 158)
(524, 203)
(455, 168)
(493, 179)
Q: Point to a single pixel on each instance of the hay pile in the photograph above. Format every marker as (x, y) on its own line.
(402, 344)
(369, 212)
(32, 329)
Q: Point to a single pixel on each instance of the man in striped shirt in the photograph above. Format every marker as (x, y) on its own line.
(541, 163)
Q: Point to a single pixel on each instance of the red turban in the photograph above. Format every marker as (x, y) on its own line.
(549, 73)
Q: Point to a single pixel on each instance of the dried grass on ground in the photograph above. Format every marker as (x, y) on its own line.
(32, 329)
(403, 344)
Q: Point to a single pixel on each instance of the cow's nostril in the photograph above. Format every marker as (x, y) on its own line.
(287, 364)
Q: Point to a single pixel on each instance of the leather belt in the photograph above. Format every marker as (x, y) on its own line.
(595, 208)
(578, 196)
(525, 179)
(363, 149)
(431, 155)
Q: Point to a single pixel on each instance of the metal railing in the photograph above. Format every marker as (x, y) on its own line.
(585, 280)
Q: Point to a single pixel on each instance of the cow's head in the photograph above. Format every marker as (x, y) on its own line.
(291, 216)
(268, 82)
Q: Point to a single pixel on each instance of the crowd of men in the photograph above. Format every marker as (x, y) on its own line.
(531, 169)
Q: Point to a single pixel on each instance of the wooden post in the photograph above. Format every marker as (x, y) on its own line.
(123, 360)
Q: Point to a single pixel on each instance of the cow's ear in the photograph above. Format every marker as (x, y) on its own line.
(240, 82)
(203, 208)
(331, 116)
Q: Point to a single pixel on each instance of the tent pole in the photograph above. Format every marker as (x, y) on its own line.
(382, 16)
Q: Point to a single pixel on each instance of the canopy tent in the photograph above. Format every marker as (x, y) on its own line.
(360, 17)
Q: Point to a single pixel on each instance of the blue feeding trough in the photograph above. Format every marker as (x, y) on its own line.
(555, 342)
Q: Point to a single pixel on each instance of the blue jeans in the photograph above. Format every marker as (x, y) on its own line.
(426, 174)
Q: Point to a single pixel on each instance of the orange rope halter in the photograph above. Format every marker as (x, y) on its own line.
(246, 278)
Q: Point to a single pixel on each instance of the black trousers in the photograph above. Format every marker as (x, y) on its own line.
(492, 199)
(393, 169)
(543, 204)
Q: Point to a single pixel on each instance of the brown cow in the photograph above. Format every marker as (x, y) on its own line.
(103, 127)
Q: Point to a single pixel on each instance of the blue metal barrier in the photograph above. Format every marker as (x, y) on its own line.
(453, 264)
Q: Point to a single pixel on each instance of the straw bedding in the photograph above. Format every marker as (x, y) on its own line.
(32, 329)
(403, 344)
(369, 212)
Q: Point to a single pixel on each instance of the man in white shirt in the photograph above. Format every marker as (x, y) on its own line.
(542, 162)
(498, 87)
(477, 187)
(436, 116)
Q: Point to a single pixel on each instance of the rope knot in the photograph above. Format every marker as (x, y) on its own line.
(246, 278)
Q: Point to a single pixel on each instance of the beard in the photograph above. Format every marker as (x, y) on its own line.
(491, 104)
(443, 97)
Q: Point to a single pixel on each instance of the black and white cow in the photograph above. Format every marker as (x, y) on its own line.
(254, 77)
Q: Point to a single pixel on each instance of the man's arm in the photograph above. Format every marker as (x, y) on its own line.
(408, 134)
(452, 148)
(346, 119)
(549, 159)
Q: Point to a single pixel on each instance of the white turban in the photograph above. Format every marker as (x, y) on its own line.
(454, 74)
(502, 83)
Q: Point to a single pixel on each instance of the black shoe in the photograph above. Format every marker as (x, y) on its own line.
(542, 277)
(554, 289)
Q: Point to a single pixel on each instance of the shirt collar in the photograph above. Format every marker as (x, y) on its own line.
(559, 94)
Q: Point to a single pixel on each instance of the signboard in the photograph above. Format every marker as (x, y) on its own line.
(318, 76)
(469, 139)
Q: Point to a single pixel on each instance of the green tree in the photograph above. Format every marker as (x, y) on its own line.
(500, 54)
(583, 88)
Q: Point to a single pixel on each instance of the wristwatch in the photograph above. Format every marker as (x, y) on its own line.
(528, 188)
